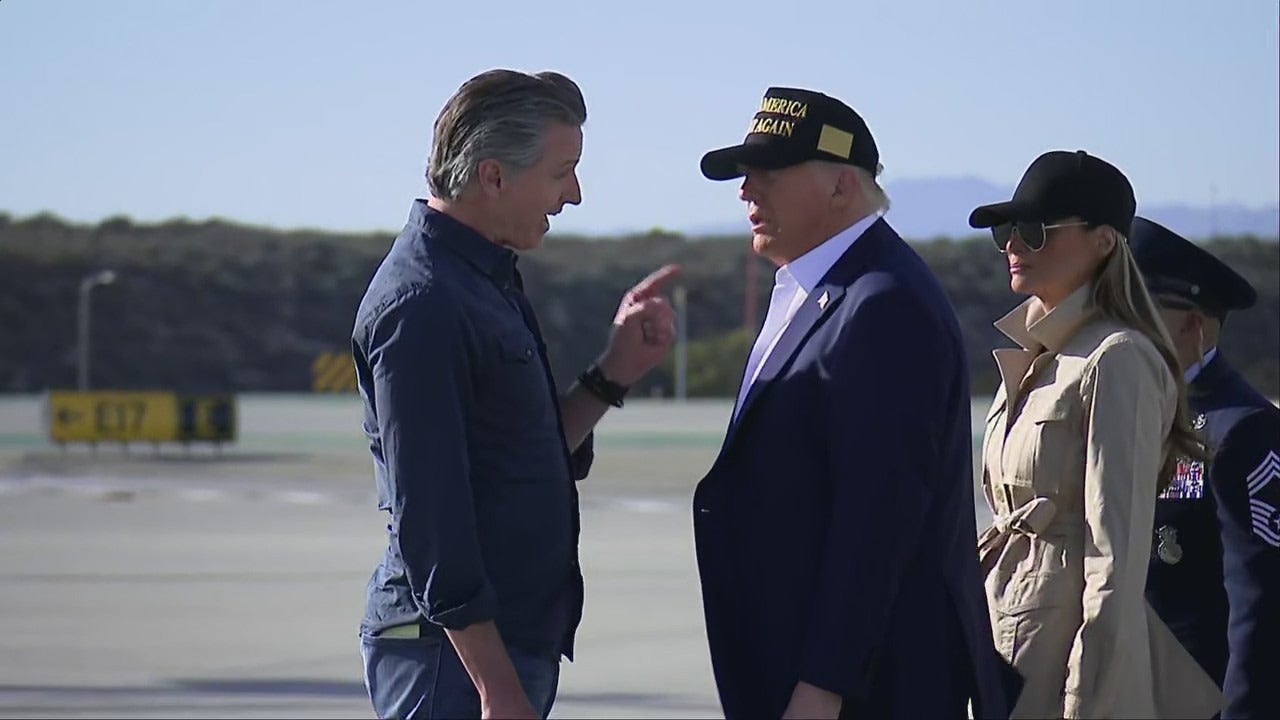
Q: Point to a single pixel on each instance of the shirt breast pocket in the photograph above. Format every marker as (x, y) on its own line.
(1043, 447)
(519, 384)
(517, 348)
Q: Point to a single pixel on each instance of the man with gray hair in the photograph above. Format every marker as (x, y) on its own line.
(475, 452)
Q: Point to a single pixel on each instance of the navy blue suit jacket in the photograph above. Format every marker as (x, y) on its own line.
(835, 531)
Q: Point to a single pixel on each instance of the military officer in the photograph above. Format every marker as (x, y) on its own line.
(1214, 573)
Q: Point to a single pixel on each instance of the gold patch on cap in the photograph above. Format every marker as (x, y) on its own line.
(835, 141)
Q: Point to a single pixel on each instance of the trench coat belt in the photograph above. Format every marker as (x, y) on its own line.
(1031, 518)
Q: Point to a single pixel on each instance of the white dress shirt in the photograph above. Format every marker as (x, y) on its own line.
(1194, 370)
(792, 284)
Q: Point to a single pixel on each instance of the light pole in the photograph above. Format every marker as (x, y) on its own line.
(102, 277)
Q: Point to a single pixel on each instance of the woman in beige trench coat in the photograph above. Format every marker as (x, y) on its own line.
(1090, 414)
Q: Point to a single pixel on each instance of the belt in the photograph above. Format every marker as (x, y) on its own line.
(408, 630)
(1031, 518)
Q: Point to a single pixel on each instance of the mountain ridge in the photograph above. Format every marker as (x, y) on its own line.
(939, 207)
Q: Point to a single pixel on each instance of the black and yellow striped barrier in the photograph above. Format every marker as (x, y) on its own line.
(333, 372)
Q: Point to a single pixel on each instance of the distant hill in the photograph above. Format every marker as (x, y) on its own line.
(939, 207)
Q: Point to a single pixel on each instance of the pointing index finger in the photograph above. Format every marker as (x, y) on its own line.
(655, 283)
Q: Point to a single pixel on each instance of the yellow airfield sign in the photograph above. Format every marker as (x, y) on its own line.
(103, 416)
(148, 416)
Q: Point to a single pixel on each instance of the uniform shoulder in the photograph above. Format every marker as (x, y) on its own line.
(1259, 426)
(1247, 467)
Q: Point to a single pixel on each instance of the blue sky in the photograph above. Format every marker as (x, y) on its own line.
(313, 113)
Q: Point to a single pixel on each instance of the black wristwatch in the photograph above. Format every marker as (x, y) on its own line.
(602, 387)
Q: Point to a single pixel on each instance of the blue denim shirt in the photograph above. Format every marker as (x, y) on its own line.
(469, 452)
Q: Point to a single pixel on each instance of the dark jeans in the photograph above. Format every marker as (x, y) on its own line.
(422, 678)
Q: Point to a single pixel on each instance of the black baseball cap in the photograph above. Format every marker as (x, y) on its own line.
(1061, 184)
(1172, 265)
(795, 126)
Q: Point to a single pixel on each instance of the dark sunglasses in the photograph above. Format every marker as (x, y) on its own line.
(1032, 233)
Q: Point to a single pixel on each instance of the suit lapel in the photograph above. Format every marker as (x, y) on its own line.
(812, 313)
(808, 316)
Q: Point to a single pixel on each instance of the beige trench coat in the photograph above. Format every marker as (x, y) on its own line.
(1070, 474)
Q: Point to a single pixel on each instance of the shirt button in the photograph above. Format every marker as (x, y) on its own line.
(528, 353)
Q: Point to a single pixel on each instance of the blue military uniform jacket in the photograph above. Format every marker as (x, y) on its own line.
(1215, 563)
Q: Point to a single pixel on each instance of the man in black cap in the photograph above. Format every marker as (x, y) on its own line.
(833, 531)
(1215, 563)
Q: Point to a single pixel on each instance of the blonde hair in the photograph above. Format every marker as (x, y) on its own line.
(1120, 294)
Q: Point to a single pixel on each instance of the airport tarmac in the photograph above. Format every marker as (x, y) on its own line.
(230, 584)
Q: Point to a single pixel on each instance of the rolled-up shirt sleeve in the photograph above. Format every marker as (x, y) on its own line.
(420, 357)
